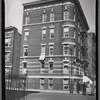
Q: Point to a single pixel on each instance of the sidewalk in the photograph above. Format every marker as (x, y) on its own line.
(52, 91)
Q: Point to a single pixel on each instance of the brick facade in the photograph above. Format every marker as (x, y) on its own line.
(34, 41)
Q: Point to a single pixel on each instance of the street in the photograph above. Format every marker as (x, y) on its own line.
(58, 96)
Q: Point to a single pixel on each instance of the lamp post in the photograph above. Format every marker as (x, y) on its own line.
(71, 83)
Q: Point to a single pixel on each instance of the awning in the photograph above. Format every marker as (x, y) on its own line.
(42, 58)
(86, 79)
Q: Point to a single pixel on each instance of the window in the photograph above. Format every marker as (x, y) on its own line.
(44, 17)
(8, 41)
(51, 50)
(79, 54)
(78, 38)
(26, 36)
(43, 50)
(65, 49)
(66, 14)
(24, 64)
(27, 19)
(25, 51)
(65, 84)
(51, 16)
(50, 83)
(7, 56)
(74, 32)
(44, 34)
(66, 31)
(65, 69)
(42, 81)
(74, 50)
(51, 67)
(74, 16)
(42, 67)
(51, 33)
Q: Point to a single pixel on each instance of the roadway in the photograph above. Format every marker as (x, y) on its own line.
(58, 96)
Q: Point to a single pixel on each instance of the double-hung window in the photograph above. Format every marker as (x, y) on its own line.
(27, 19)
(66, 14)
(43, 49)
(8, 41)
(44, 34)
(51, 16)
(50, 83)
(65, 84)
(51, 67)
(7, 56)
(42, 82)
(25, 51)
(51, 49)
(65, 31)
(51, 33)
(44, 17)
(26, 35)
(65, 49)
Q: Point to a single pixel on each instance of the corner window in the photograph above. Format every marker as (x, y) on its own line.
(25, 51)
(26, 36)
(65, 49)
(51, 16)
(66, 14)
(51, 33)
(65, 69)
(74, 32)
(74, 50)
(8, 42)
(66, 31)
(44, 17)
(51, 50)
(27, 19)
(7, 56)
(43, 34)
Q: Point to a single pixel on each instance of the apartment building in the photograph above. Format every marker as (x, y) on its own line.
(54, 44)
(12, 50)
(92, 54)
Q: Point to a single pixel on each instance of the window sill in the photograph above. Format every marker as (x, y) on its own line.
(69, 37)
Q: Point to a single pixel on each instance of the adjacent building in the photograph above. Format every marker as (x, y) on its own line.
(54, 44)
(92, 54)
(12, 50)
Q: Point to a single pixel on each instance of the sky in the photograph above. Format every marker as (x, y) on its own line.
(14, 13)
